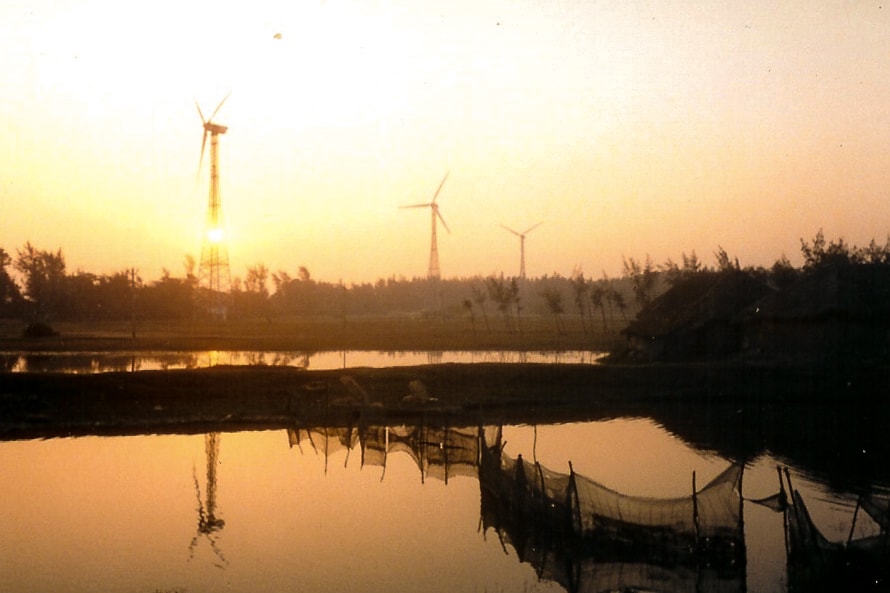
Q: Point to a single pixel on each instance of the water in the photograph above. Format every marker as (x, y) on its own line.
(298, 509)
(98, 362)
(418, 508)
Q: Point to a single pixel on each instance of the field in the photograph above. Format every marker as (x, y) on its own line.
(390, 333)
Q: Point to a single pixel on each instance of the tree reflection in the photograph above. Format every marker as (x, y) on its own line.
(209, 524)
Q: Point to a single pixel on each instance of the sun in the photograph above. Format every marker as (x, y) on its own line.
(215, 236)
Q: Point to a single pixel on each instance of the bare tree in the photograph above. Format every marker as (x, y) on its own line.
(618, 299)
(553, 298)
(597, 298)
(468, 306)
(479, 297)
(502, 294)
(582, 290)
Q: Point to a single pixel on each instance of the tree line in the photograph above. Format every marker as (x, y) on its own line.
(48, 292)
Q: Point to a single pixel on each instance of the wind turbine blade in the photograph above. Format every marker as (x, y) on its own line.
(436, 195)
(511, 230)
(533, 227)
(200, 114)
(215, 111)
(201, 159)
(444, 224)
(416, 206)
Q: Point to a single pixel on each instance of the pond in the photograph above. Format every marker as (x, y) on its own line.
(99, 362)
(415, 508)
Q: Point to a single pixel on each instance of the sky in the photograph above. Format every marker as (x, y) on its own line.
(627, 129)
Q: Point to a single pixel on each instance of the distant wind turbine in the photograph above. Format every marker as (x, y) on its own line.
(522, 245)
(433, 271)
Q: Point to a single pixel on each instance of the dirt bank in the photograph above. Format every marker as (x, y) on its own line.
(229, 398)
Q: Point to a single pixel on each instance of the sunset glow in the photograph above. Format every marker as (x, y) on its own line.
(630, 128)
(215, 235)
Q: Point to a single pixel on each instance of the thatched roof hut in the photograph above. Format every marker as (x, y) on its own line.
(695, 318)
(834, 313)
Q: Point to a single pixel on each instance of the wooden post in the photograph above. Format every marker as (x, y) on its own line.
(695, 509)
(575, 519)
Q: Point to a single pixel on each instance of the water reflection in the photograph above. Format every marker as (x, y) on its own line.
(588, 537)
(209, 524)
(572, 530)
(438, 452)
(443, 508)
(817, 563)
(103, 362)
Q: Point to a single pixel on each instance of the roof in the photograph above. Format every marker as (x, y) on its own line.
(853, 292)
(697, 300)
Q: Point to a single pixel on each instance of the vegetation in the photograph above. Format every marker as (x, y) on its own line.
(38, 291)
(47, 292)
(835, 310)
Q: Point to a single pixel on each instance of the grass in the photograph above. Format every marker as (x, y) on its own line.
(316, 334)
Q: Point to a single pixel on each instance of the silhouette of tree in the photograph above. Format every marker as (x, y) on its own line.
(516, 301)
(502, 293)
(597, 298)
(256, 279)
(782, 274)
(251, 299)
(479, 297)
(674, 274)
(724, 262)
(168, 298)
(10, 295)
(618, 299)
(44, 273)
(582, 290)
(818, 253)
(876, 254)
(468, 307)
(281, 279)
(553, 298)
(643, 277)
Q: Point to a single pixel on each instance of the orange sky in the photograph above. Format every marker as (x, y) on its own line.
(629, 128)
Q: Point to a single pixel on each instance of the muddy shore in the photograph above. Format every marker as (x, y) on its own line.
(233, 398)
(832, 418)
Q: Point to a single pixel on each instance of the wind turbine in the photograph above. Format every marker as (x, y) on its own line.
(522, 245)
(214, 268)
(209, 524)
(433, 271)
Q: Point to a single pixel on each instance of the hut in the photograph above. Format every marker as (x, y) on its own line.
(696, 318)
(835, 313)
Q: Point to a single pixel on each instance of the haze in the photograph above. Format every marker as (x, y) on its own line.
(629, 128)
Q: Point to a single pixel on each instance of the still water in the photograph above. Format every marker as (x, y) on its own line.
(387, 508)
(100, 362)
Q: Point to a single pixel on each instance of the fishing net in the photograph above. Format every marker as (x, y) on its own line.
(712, 512)
(709, 518)
(438, 452)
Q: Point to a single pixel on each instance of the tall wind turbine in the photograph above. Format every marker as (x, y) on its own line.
(213, 272)
(522, 245)
(433, 271)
